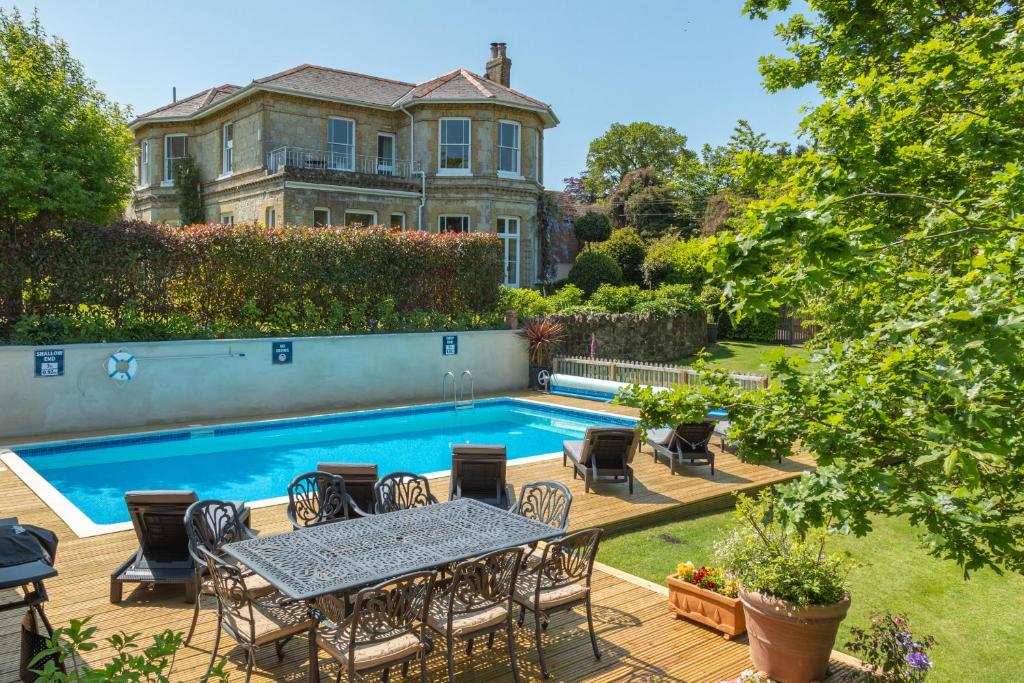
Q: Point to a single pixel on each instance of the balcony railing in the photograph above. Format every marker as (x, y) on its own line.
(298, 157)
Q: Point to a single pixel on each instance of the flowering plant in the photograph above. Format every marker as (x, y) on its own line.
(750, 676)
(710, 578)
(890, 651)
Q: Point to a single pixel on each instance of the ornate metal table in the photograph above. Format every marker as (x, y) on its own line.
(343, 556)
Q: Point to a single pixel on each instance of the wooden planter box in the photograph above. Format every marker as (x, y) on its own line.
(706, 607)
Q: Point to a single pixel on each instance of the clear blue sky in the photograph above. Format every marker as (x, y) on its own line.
(690, 64)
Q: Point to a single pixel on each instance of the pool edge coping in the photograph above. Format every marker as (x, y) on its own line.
(83, 527)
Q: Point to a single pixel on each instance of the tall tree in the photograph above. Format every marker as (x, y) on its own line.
(65, 151)
(908, 212)
(628, 147)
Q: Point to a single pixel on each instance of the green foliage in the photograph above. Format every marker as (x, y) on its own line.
(188, 184)
(612, 299)
(625, 148)
(890, 651)
(768, 558)
(711, 300)
(131, 663)
(525, 302)
(760, 326)
(65, 151)
(653, 211)
(593, 269)
(130, 281)
(566, 297)
(677, 261)
(902, 231)
(628, 249)
(593, 226)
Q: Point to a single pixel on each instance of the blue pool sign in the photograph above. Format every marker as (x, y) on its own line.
(450, 345)
(282, 353)
(50, 363)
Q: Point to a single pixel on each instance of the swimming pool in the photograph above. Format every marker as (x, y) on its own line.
(84, 481)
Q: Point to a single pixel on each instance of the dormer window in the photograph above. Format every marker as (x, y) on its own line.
(454, 146)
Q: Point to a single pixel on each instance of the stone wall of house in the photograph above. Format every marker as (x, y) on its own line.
(634, 336)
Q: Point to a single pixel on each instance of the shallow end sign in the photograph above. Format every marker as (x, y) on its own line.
(281, 353)
(49, 362)
(450, 345)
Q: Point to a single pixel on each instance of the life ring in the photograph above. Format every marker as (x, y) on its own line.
(122, 366)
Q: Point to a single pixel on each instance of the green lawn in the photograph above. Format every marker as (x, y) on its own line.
(975, 622)
(747, 357)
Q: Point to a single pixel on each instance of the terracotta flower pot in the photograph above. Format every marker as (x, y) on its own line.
(791, 644)
(706, 607)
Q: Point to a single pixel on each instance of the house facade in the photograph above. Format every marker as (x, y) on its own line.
(318, 146)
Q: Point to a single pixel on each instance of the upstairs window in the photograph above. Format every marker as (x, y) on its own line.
(508, 148)
(341, 144)
(228, 145)
(453, 223)
(175, 149)
(144, 163)
(454, 146)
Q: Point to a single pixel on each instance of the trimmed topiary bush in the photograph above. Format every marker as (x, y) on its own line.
(628, 249)
(612, 299)
(593, 269)
(677, 261)
(592, 226)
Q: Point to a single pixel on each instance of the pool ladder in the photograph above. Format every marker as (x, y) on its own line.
(459, 389)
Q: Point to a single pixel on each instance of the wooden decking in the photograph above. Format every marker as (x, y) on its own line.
(639, 640)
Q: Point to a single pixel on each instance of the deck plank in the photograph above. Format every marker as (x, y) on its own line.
(639, 639)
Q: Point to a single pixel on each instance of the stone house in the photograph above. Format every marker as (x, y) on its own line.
(319, 146)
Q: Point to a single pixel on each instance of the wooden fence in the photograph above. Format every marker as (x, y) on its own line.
(633, 372)
(794, 329)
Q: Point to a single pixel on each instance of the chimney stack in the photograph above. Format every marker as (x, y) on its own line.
(499, 66)
(174, 93)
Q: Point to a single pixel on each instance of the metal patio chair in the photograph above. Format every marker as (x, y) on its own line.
(316, 498)
(360, 479)
(402, 491)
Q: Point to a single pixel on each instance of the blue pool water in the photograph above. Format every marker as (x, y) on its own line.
(256, 461)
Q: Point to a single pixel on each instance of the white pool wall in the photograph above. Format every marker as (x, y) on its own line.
(202, 380)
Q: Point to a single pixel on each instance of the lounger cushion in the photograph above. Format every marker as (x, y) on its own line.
(272, 620)
(160, 497)
(574, 449)
(334, 641)
(463, 622)
(349, 469)
(526, 584)
(660, 437)
(479, 450)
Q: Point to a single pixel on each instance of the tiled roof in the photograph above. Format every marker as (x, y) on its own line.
(190, 105)
(319, 81)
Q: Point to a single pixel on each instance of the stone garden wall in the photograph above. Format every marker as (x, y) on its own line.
(634, 336)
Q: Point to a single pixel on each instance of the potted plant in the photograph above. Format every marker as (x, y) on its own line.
(793, 593)
(541, 335)
(707, 595)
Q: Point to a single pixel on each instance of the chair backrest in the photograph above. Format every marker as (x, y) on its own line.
(692, 437)
(316, 498)
(391, 609)
(479, 469)
(402, 491)
(233, 598)
(359, 477)
(210, 524)
(547, 502)
(158, 518)
(482, 583)
(570, 559)
(610, 447)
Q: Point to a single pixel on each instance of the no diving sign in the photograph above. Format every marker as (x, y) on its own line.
(49, 362)
(282, 353)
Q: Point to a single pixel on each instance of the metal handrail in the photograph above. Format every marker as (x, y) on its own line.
(339, 160)
(444, 389)
(462, 387)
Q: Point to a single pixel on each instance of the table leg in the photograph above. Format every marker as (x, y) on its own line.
(313, 676)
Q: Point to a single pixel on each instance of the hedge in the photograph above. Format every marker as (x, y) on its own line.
(758, 327)
(225, 280)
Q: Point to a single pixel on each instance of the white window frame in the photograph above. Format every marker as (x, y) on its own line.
(325, 209)
(442, 217)
(386, 166)
(536, 156)
(270, 217)
(227, 218)
(144, 163)
(468, 144)
(509, 241)
(227, 146)
(168, 180)
(518, 173)
(330, 150)
(361, 212)
(391, 219)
